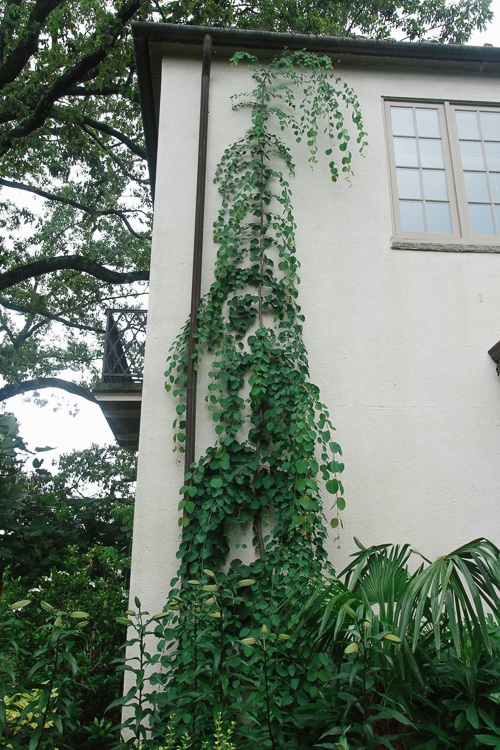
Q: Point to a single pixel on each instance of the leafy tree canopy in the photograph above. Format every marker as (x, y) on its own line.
(437, 20)
(74, 192)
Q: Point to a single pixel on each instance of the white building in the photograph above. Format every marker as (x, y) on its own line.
(400, 283)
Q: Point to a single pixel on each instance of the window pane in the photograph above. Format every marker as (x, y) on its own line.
(402, 121)
(495, 186)
(431, 152)
(428, 123)
(405, 151)
(476, 186)
(493, 155)
(490, 123)
(434, 185)
(408, 183)
(481, 219)
(472, 155)
(467, 125)
(412, 216)
(438, 217)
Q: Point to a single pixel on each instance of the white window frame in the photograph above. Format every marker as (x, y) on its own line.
(461, 237)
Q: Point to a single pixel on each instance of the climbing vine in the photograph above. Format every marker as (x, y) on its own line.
(273, 450)
(273, 437)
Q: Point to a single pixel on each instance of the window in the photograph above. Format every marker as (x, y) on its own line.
(445, 170)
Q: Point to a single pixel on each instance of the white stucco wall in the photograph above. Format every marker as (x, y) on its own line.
(397, 339)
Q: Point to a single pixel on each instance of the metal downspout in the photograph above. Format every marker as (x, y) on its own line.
(197, 256)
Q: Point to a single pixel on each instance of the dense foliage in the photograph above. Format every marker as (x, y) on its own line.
(430, 19)
(59, 645)
(88, 501)
(387, 662)
(74, 191)
(397, 652)
(64, 559)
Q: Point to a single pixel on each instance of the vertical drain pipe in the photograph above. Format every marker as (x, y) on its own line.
(197, 256)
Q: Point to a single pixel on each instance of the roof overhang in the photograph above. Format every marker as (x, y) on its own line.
(152, 41)
(121, 405)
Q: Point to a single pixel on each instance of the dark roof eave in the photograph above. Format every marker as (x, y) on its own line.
(252, 39)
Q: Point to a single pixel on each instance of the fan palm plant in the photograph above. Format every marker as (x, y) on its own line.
(387, 621)
(450, 596)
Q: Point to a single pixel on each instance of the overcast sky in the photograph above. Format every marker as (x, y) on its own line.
(41, 426)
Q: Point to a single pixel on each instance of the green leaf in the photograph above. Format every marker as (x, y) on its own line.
(488, 739)
(123, 620)
(35, 738)
(332, 486)
(472, 717)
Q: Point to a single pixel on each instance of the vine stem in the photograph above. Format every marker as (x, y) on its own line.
(195, 683)
(258, 514)
(266, 684)
(365, 648)
(221, 647)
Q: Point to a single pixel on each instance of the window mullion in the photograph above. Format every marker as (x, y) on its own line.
(457, 171)
(456, 186)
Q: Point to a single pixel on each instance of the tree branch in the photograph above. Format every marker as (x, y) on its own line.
(5, 327)
(118, 161)
(71, 202)
(71, 77)
(105, 91)
(103, 128)
(9, 391)
(28, 42)
(50, 316)
(69, 263)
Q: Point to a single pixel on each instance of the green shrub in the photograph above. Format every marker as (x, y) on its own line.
(43, 640)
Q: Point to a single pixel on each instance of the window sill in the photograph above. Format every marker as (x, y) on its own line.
(443, 247)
